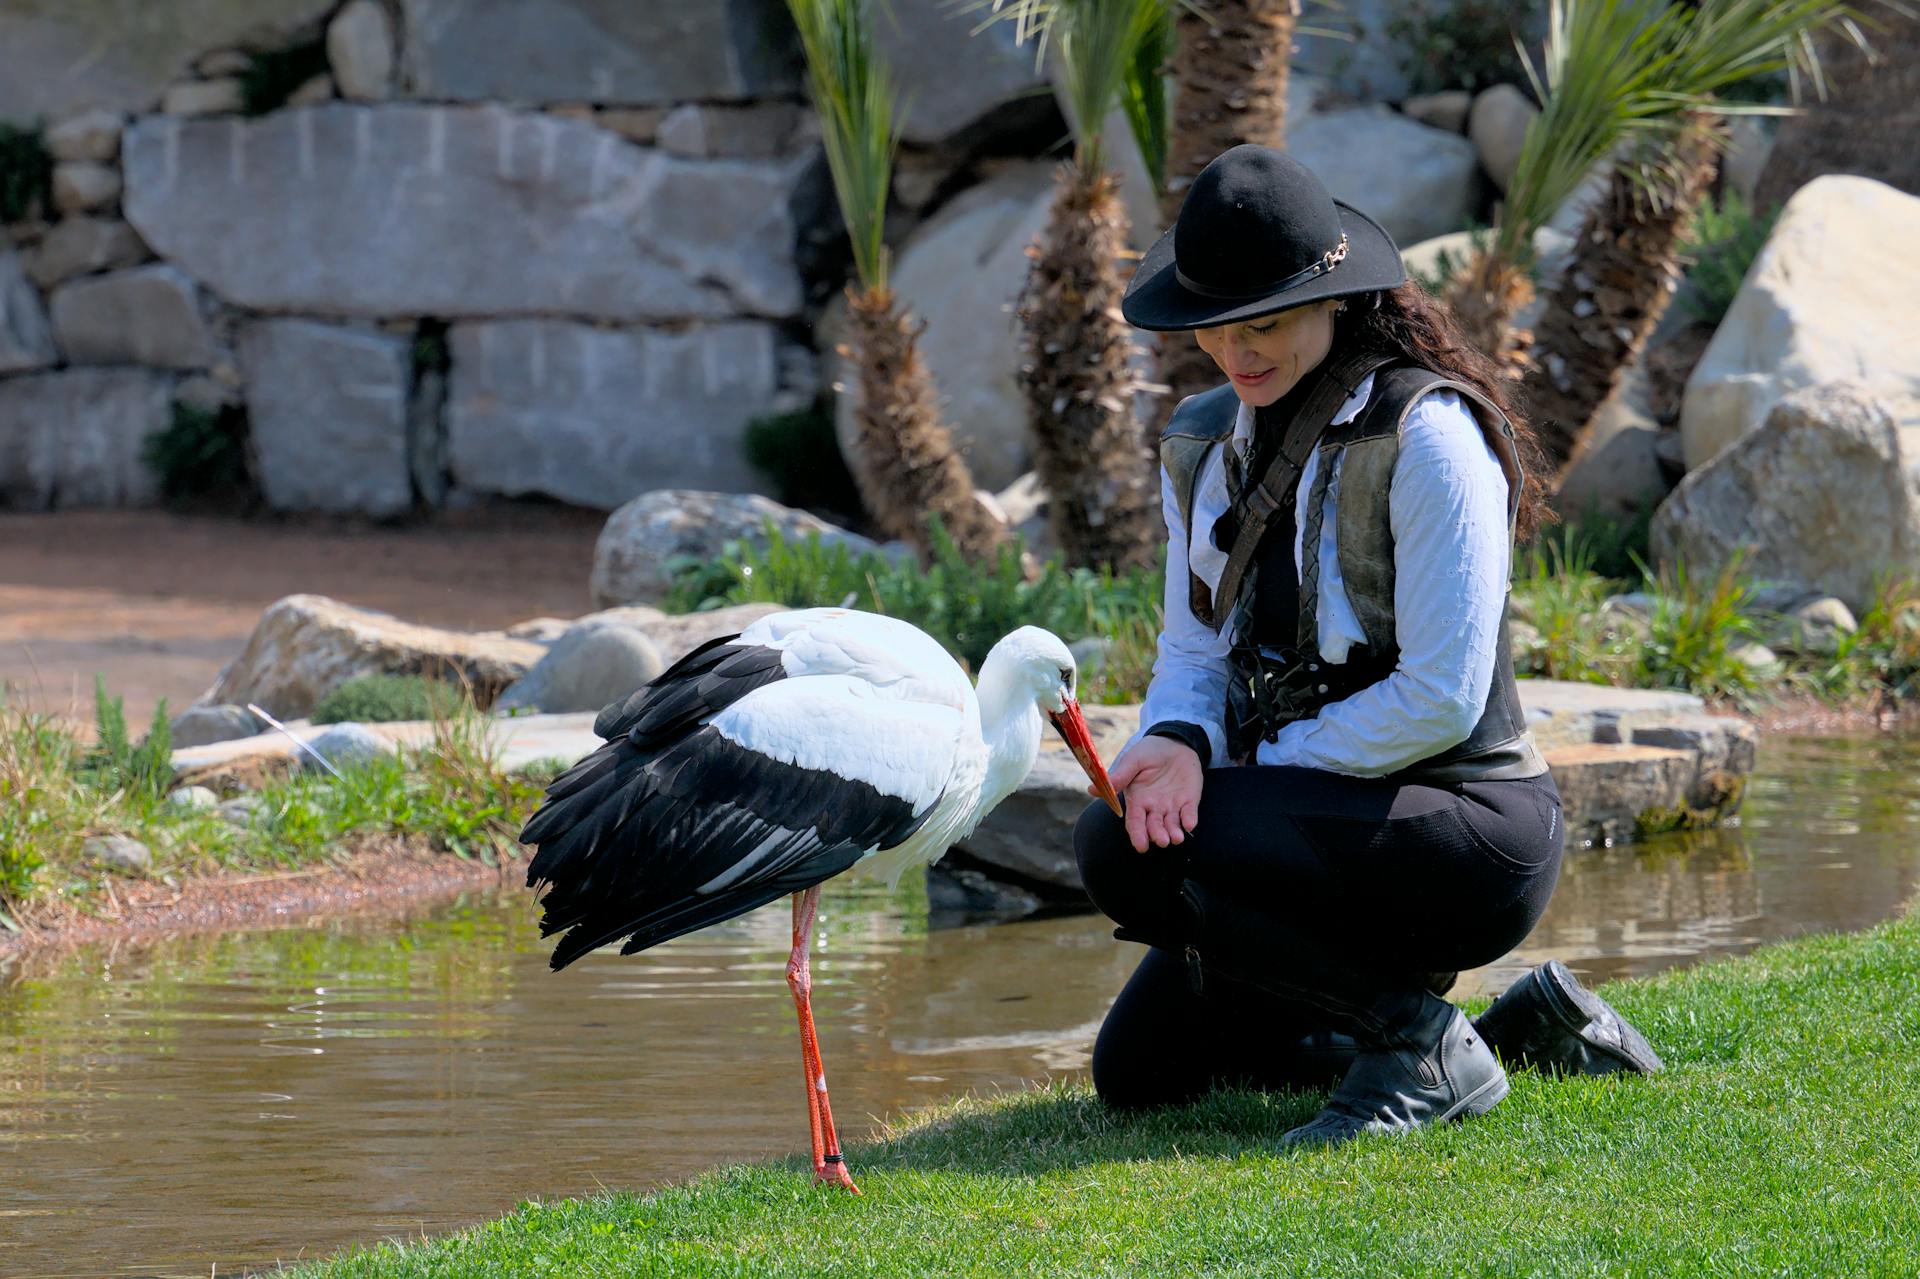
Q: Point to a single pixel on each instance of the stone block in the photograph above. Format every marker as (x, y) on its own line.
(80, 246)
(122, 853)
(1415, 181)
(204, 97)
(26, 339)
(585, 669)
(1498, 127)
(612, 52)
(329, 414)
(1606, 790)
(951, 78)
(1446, 110)
(761, 131)
(92, 136)
(203, 725)
(595, 416)
(80, 187)
(74, 438)
(482, 211)
(360, 50)
(149, 315)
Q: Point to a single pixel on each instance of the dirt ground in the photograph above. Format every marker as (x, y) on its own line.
(157, 602)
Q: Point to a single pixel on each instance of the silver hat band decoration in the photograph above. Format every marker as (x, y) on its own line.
(1328, 260)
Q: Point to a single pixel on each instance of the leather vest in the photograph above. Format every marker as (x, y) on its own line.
(1365, 449)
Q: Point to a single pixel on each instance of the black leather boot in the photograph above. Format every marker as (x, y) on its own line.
(1549, 1021)
(1417, 1058)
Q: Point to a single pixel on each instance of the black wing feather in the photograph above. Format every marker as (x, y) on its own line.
(671, 826)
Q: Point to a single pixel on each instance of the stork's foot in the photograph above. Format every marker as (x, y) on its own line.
(834, 1172)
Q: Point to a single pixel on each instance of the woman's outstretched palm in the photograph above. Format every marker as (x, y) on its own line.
(1161, 780)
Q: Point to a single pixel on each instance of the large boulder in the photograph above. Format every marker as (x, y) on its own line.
(1416, 181)
(960, 275)
(60, 59)
(632, 561)
(586, 668)
(1618, 472)
(1498, 128)
(952, 78)
(328, 407)
(407, 209)
(75, 438)
(1811, 312)
(26, 340)
(304, 646)
(612, 52)
(1818, 498)
(593, 416)
(149, 315)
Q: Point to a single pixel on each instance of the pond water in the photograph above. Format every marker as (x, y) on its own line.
(230, 1101)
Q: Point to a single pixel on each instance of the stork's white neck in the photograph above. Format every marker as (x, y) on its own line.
(1010, 724)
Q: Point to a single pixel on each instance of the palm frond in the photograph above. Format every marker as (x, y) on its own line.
(1109, 53)
(854, 96)
(1620, 78)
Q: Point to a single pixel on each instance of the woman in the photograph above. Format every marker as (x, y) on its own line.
(1333, 804)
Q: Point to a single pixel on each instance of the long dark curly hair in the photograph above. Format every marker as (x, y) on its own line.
(1408, 323)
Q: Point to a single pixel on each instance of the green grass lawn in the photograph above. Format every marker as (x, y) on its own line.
(1784, 1139)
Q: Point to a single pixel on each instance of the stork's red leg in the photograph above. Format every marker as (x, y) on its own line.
(828, 1163)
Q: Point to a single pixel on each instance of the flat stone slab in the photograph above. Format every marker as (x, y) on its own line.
(1686, 768)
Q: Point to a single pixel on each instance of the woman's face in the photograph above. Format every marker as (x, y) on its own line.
(1267, 357)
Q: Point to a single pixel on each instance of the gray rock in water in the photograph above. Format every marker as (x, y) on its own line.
(492, 211)
(346, 746)
(149, 315)
(612, 52)
(1030, 835)
(26, 340)
(643, 538)
(193, 799)
(74, 438)
(961, 894)
(585, 669)
(594, 416)
(1818, 497)
(204, 725)
(117, 852)
(329, 415)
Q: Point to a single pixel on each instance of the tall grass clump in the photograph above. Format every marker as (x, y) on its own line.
(143, 771)
(1695, 634)
(965, 605)
(1557, 592)
(38, 759)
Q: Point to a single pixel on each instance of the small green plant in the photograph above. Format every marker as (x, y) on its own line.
(1612, 546)
(800, 453)
(1466, 44)
(1447, 263)
(385, 699)
(272, 76)
(1695, 634)
(36, 770)
(1559, 594)
(1726, 235)
(26, 172)
(117, 764)
(201, 456)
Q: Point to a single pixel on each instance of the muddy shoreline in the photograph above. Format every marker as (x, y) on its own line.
(374, 876)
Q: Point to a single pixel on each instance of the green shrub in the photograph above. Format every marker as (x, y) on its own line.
(1558, 593)
(800, 453)
(26, 172)
(1723, 240)
(1462, 44)
(1611, 546)
(383, 699)
(966, 607)
(201, 456)
(272, 76)
(1695, 631)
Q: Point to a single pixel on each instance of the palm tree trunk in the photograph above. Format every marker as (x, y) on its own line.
(908, 468)
(1092, 458)
(1624, 266)
(1484, 296)
(1230, 86)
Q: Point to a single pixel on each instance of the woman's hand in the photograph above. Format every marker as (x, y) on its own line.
(1161, 780)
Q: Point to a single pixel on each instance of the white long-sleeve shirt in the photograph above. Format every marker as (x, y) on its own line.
(1451, 562)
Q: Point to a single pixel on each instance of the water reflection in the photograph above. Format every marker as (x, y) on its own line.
(240, 1099)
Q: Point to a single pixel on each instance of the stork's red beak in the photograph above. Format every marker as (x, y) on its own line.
(1073, 729)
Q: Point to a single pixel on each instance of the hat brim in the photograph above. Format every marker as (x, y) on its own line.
(1156, 300)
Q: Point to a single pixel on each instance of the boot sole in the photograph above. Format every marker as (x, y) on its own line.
(1576, 1007)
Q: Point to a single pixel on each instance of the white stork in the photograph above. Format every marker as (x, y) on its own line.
(762, 764)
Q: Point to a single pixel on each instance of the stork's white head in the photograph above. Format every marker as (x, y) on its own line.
(1036, 662)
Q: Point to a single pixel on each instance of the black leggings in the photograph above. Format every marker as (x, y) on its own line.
(1373, 874)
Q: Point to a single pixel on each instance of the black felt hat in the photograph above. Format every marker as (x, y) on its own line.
(1258, 234)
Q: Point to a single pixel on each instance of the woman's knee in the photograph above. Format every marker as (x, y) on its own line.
(1101, 847)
